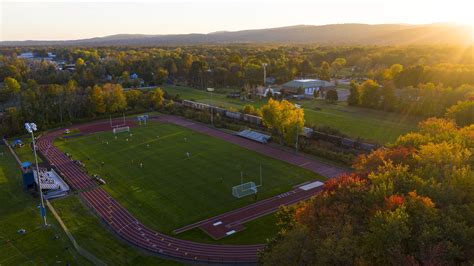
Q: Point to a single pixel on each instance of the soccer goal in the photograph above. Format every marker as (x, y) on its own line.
(120, 124)
(142, 118)
(121, 130)
(244, 189)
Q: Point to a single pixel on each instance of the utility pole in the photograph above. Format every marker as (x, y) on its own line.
(210, 106)
(264, 65)
(296, 144)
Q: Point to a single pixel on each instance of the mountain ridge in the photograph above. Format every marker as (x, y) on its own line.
(349, 33)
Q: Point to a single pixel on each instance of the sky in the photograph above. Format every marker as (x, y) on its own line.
(78, 19)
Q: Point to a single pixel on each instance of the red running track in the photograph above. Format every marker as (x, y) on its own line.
(218, 226)
(130, 229)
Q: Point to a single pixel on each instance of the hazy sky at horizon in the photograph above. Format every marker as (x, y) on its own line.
(77, 19)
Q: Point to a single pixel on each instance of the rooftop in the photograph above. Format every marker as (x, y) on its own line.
(307, 83)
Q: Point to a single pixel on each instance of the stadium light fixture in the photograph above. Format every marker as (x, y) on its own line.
(210, 105)
(31, 128)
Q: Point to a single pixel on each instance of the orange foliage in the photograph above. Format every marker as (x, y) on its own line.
(345, 180)
(394, 201)
(371, 162)
(302, 212)
(425, 200)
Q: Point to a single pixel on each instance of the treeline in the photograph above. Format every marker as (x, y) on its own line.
(425, 99)
(409, 204)
(54, 105)
(240, 65)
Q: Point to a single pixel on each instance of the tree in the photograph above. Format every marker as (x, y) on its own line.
(253, 74)
(306, 68)
(156, 98)
(97, 100)
(171, 67)
(10, 122)
(126, 79)
(388, 98)
(160, 76)
(331, 96)
(354, 96)
(133, 97)
(220, 76)
(249, 109)
(12, 85)
(80, 65)
(338, 64)
(406, 205)
(196, 74)
(11, 88)
(462, 113)
(284, 119)
(392, 73)
(114, 98)
(324, 73)
(71, 99)
(370, 94)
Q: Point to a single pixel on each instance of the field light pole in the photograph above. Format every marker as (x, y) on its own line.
(31, 128)
(296, 143)
(210, 105)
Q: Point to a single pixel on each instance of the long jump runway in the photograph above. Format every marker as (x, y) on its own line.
(122, 223)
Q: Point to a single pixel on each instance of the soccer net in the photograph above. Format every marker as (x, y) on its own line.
(244, 189)
(121, 129)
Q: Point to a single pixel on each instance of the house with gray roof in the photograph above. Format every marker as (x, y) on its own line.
(308, 86)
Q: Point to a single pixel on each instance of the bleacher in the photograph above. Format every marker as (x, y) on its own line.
(253, 135)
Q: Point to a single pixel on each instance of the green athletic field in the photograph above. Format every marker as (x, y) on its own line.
(39, 246)
(172, 190)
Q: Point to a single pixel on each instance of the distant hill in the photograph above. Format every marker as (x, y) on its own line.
(383, 34)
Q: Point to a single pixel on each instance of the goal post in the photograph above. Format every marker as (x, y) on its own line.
(122, 124)
(244, 189)
(121, 129)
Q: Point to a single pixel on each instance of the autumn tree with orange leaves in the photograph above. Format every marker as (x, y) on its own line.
(409, 204)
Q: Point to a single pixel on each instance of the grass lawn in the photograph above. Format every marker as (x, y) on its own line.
(25, 153)
(375, 125)
(172, 190)
(89, 233)
(383, 127)
(18, 210)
